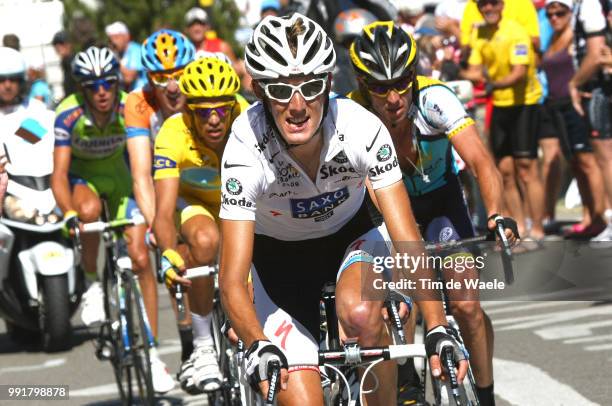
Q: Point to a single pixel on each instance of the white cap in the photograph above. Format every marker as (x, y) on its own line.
(196, 14)
(568, 3)
(410, 8)
(11, 62)
(116, 28)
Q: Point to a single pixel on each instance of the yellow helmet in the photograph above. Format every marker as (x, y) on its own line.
(209, 77)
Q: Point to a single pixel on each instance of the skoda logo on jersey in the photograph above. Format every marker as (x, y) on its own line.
(319, 207)
(446, 234)
(384, 153)
(340, 158)
(380, 169)
(233, 186)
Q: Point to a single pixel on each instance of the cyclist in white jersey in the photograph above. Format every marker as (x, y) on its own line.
(293, 183)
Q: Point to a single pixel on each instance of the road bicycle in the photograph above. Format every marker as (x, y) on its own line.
(125, 337)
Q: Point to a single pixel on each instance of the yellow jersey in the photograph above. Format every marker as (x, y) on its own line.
(179, 154)
(521, 11)
(498, 48)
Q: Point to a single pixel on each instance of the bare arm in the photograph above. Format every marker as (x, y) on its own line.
(473, 73)
(140, 164)
(517, 74)
(477, 157)
(236, 257)
(592, 62)
(60, 184)
(166, 193)
(395, 207)
(372, 193)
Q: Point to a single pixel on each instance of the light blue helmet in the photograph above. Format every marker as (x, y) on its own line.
(166, 50)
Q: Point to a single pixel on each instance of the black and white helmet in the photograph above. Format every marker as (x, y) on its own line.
(269, 54)
(94, 63)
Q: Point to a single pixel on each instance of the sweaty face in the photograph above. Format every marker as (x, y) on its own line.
(102, 99)
(9, 89)
(169, 98)
(211, 119)
(298, 119)
(393, 107)
(491, 10)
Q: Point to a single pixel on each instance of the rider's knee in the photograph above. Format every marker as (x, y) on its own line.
(204, 246)
(89, 210)
(140, 260)
(363, 319)
(469, 311)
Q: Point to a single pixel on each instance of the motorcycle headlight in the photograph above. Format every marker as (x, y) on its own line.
(19, 210)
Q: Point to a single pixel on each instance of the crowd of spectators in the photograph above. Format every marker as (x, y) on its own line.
(520, 55)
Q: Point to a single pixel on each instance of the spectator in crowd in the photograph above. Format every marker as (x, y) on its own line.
(270, 8)
(39, 88)
(572, 128)
(412, 16)
(521, 11)
(347, 26)
(448, 14)
(593, 78)
(11, 41)
(203, 37)
(503, 47)
(63, 48)
(128, 54)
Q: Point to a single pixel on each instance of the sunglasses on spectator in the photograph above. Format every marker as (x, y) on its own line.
(283, 92)
(482, 3)
(204, 110)
(382, 90)
(162, 79)
(11, 78)
(558, 14)
(106, 83)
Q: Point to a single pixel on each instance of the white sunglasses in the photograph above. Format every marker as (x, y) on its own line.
(283, 92)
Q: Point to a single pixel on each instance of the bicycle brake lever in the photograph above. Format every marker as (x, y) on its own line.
(274, 381)
(449, 360)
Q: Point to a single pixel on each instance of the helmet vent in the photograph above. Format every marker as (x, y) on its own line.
(203, 84)
(313, 49)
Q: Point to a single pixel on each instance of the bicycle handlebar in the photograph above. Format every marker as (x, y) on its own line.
(356, 355)
(101, 226)
(190, 273)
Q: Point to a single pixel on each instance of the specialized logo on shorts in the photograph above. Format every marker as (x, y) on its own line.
(340, 158)
(319, 207)
(446, 234)
(380, 169)
(384, 153)
(242, 202)
(162, 162)
(233, 186)
(520, 50)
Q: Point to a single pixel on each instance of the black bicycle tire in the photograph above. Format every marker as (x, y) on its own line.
(114, 337)
(139, 341)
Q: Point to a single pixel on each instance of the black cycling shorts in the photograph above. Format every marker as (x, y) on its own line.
(599, 113)
(294, 272)
(514, 131)
(572, 127)
(546, 126)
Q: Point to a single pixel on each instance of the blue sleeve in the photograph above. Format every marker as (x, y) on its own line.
(133, 58)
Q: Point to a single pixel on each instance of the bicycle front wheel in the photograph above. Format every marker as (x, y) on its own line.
(139, 342)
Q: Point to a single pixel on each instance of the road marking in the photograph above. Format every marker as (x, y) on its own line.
(571, 330)
(542, 319)
(51, 363)
(526, 385)
(602, 347)
(602, 337)
(531, 306)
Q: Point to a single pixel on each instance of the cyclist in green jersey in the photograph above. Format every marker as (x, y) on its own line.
(89, 161)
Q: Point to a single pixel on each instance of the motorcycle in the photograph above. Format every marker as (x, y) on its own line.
(40, 287)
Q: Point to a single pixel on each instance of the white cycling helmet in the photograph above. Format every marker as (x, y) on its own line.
(12, 62)
(94, 63)
(268, 54)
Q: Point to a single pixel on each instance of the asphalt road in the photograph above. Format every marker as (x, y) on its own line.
(546, 353)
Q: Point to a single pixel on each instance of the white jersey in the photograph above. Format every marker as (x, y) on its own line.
(262, 183)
